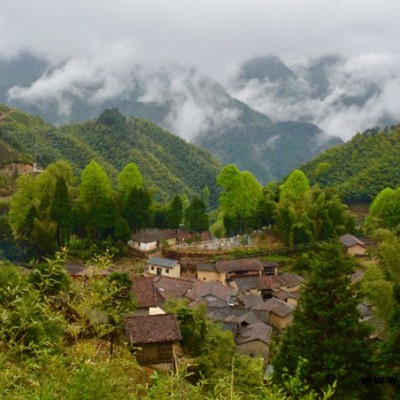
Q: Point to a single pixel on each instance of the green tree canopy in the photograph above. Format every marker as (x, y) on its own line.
(326, 330)
(295, 186)
(129, 178)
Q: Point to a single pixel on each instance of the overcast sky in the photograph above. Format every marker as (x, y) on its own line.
(212, 35)
(104, 40)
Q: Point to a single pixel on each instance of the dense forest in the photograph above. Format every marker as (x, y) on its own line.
(360, 168)
(168, 163)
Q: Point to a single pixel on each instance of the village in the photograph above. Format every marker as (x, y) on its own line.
(252, 297)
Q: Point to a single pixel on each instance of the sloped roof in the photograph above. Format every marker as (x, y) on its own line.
(283, 295)
(251, 300)
(206, 267)
(240, 264)
(145, 292)
(275, 306)
(212, 288)
(248, 317)
(272, 282)
(249, 283)
(291, 280)
(152, 329)
(270, 264)
(162, 262)
(349, 240)
(153, 235)
(172, 287)
(256, 331)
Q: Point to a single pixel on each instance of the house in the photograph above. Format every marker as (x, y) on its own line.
(164, 266)
(250, 300)
(172, 288)
(208, 272)
(213, 293)
(290, 282)
(254, 340)
(290, 298)
(274, 311)
(148, 300)
(151, 239)
(248, 284)
(355, 246)
(240, 267)
(270, 267)
(152, 338)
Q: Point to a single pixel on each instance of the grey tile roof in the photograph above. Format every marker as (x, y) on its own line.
(162, 262)
(349, 240)
(291, 280)
(256, 331)
(275, 306)
(172, 287)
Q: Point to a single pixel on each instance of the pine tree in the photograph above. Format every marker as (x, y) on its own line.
(196, 216)
(137, 208)
(326, 330)
(175, 212)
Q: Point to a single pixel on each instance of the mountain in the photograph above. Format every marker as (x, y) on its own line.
(269, 150)
(168, 164)
(178, 99)
(360, 168)
(340, 95)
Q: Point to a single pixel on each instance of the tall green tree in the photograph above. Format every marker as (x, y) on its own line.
(384, 211)
(295, 186)
(239, 200)
(326, 330)
(196, 215)
(129, 178)
(137, 209)
(97, 201)
(61, 211)
(175, 212)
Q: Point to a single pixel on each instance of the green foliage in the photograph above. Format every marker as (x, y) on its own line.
(50, 277)
(360, 168)
(239, 200)
(175, 212)
(295, 186)
(385, 210)
(61, 211)
(326, 331)
(316, 215)
(196, 216)
(129, 178)
(137, 208)
(168, 164)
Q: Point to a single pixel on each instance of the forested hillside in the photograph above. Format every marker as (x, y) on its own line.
(168, 164)
(361, 168)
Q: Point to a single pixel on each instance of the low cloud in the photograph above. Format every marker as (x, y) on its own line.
(361, 93)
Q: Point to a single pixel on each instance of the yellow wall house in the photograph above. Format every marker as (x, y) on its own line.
(164, 267)
(354, 245)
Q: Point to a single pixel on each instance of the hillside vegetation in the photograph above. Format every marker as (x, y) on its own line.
(168, 164)
(361, 168)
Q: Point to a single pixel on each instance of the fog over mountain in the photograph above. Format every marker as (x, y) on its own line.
(341, 96)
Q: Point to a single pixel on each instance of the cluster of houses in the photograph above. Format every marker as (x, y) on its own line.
(247, 296)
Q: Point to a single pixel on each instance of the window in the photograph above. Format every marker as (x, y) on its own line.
(152, 268)
(167, 271)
